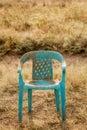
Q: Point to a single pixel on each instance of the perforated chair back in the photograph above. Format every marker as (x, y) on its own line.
(42, 63)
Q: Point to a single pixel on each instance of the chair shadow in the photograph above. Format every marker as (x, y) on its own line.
(64, 125)
(30, 123)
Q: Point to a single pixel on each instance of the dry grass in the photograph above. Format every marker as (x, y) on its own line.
(44, 116)
(43, 24)
(31, 25)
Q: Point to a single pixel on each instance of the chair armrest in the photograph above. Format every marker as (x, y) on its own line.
(63, 67)
(63, 71)
(20, 80)
(19, 70)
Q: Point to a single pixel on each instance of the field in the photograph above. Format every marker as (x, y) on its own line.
(27, 25)
(44, 115)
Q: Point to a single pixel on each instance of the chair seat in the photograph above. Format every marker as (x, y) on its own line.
(36, 84)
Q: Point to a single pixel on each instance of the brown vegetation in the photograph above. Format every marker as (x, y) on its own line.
(59, 25)
(28, 25)
(44, 115)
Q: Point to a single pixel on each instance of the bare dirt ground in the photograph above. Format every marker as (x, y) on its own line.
(44, 115)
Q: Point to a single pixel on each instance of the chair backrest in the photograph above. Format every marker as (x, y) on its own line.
(42, 63)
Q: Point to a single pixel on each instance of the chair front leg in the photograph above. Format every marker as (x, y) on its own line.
(29, 100)
(56, 91)
(63, 101)
(20, 103)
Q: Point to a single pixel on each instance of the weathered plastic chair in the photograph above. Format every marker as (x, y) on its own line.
(42, 79)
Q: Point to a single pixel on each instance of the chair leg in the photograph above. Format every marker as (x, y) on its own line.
(63, 100)
(20, 104)
(29, 100)
(56, 91)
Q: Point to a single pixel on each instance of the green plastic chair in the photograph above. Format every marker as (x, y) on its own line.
(42, 79)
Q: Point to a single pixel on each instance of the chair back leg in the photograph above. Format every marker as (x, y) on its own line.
(56, 91)
(29, 100)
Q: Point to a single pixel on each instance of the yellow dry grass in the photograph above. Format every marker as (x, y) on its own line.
(44, 115)
(43, 24)
(28, 25)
